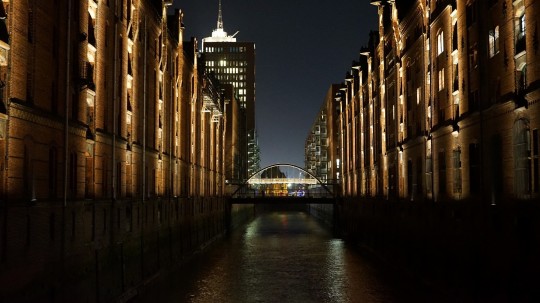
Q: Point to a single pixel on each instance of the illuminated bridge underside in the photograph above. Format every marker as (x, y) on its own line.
(283, 181)
(262, 181)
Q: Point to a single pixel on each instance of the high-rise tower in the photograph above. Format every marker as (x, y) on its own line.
(233, 63)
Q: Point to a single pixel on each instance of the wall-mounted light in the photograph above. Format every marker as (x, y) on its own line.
(455, 130)
(365, 54)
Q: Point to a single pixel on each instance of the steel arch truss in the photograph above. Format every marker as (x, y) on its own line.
(283, 180)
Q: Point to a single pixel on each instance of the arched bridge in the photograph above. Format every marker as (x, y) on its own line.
(284, 183)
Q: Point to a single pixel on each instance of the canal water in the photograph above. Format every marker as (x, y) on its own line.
(287, 257)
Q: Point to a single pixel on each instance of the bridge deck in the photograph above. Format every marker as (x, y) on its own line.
(283, 200)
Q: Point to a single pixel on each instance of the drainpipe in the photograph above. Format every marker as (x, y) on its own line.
(7, 94)
(171, 158)
(144, 116)
(115, 92)
(68, 84)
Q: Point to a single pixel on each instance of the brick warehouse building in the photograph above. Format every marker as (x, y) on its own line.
(437, 87)
(112, 139)
(443, 106)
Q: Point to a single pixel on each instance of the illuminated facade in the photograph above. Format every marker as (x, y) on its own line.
(110, 134)
(443, 104)
(316, 148)
(132, 102)
(235, 163)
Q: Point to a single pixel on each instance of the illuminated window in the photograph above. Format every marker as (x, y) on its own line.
(522, 25)
(441, 79)
(440, 42)
(494, 41)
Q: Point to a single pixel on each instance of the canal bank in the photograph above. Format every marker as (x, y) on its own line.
(105, 251)
(479, 251)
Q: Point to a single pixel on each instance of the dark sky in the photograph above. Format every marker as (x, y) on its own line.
(302, 47)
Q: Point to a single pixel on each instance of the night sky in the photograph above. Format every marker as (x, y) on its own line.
(302, 47)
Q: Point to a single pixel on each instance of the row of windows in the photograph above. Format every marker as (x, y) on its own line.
(225, 77)
(232, 49)
(493, 38)
(236, 84)
(225, 62)
(230, 70)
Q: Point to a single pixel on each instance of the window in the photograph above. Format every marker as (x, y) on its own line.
(522, 26)
(471, 13)
(89, 178)
(410, 179)
(73, 175)
(440, 42)
(442, 172)
(441, 79)
(522, 153)
(53, 172)
(535, 158)
(474, 168)
(27, 173)
(457, 171)
(521, 78)
(473, 56)
(494, 42)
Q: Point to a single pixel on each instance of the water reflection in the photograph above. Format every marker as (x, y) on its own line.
(285, 257)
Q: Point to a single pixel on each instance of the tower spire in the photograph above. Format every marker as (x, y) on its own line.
(220, 18)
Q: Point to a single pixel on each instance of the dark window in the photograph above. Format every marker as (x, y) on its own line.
(473, 56)
(419, 189)
(73, 175)
(535, 161)
(522, 163)
(104, 179)
(53, 172)
(52, 227)
(442, 172)
(119, 180)
(471, 13)
(73, 222)
(474, 168)
(474, 101)
(457, 170)
(129, 219)
(410, 179)
(497, 173)
(54, 98)
(89, 178)
(27, 174)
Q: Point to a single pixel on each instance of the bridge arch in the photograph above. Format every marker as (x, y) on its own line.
(283, 179)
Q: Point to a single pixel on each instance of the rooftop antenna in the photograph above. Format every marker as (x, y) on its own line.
(220, 18)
